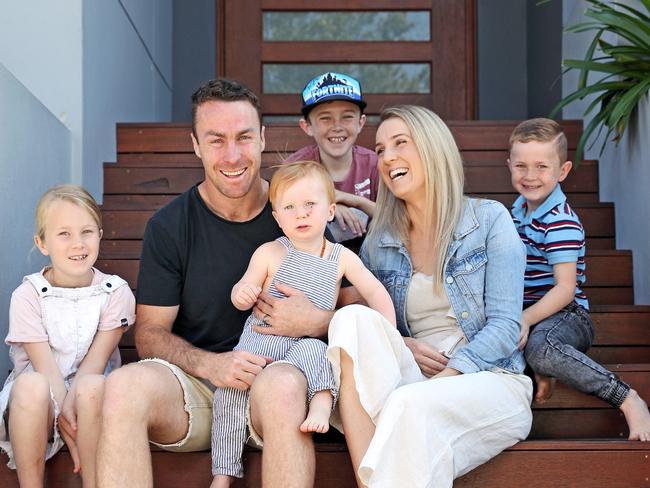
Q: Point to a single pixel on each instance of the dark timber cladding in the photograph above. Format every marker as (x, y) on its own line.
(449, 52)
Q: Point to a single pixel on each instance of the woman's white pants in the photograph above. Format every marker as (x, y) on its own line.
(428, 432)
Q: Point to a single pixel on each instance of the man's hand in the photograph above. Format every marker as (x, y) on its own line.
(430, 361)
(293, 316)
(347, 218)
(234, 369)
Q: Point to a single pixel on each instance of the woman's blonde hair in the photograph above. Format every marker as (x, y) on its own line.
(443, 176)
(68, 193)
(287, 174)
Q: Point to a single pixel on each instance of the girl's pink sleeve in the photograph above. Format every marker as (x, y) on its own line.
(25, 319)
(119, 311)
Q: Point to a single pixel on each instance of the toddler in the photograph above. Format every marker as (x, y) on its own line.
(302, 195)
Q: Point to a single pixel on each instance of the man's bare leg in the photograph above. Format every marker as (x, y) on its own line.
(357, 425)
(278, 407)
(141, 401)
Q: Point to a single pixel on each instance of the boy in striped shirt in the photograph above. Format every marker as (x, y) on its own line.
(556, 329)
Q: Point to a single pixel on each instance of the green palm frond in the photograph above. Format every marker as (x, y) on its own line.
(622, 68)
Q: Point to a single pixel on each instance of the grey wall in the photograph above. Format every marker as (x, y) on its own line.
(35, 150)
(127, 74)
(519, 47)
(194, 52)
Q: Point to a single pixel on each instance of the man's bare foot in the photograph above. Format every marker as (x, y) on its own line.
(545, 387)
(318, 417)
(221, 481)
(637, 416)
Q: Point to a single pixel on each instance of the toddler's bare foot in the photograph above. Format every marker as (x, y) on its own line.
(318, 417)
(637, 416)
(221, 481)
(545, 387)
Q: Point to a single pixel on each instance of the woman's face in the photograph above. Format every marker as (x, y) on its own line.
(398, 160)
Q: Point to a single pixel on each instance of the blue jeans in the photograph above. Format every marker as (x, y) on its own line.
(556, 348)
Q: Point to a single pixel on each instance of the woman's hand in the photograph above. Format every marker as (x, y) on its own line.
(430, 361)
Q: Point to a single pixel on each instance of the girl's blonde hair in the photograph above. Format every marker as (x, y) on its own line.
(68, 193)
(287, 174)
(444, 179)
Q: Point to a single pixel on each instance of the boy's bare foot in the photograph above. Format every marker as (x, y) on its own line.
(318, 417)
(637, 416)
(221, 481)
(545, 387)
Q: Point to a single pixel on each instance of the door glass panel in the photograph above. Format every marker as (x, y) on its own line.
(374, 77)
(347, 26)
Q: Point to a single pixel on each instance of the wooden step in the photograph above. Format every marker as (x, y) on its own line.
(479, 178)
(270, 158)
(533, 464)
(605, 268)
(476, 135)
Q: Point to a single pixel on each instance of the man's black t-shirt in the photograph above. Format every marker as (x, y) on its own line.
(192, 258)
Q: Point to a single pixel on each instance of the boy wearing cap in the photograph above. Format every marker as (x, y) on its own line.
(332, 110)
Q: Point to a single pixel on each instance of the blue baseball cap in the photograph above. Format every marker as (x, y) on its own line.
(328, 87)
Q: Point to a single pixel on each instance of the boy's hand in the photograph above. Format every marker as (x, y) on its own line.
(245, 295)
(347, 218)
(523, 334)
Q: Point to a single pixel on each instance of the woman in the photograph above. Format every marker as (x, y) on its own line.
(454, 268)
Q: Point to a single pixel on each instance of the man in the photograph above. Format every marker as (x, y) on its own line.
(194, 250)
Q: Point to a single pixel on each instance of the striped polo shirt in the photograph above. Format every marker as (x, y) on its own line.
(552, 234)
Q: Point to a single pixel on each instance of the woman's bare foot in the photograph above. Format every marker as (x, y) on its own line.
(545, 387)
(637, 416)
(318, 417)
(221, 481)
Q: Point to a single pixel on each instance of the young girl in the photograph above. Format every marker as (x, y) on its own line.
(64, 326)
(302, 195)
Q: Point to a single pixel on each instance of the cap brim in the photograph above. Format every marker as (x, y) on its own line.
(308, 108)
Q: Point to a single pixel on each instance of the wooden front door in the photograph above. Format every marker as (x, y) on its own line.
(402, 51)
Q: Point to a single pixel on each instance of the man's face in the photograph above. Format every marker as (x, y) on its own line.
(335, 127)
(229, 141)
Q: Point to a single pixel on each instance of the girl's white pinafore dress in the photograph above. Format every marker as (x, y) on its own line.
(70, 317)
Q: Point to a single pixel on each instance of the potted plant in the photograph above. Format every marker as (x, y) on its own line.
(625, 66)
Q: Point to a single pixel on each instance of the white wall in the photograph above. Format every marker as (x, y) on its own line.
(69, 71)
(41, 45)
(624, 170)
(34, 150)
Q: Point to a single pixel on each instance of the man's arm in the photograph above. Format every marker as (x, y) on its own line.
(154, 339)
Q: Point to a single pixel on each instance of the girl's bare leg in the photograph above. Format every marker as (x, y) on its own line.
(30, 418)
(89, 397)
(357, 425)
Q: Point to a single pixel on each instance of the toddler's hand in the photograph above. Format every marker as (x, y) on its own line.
(246, 295)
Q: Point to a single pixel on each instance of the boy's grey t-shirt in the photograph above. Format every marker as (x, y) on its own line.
(363, 178)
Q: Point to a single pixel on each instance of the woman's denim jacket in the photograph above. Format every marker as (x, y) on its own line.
(484, 278)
